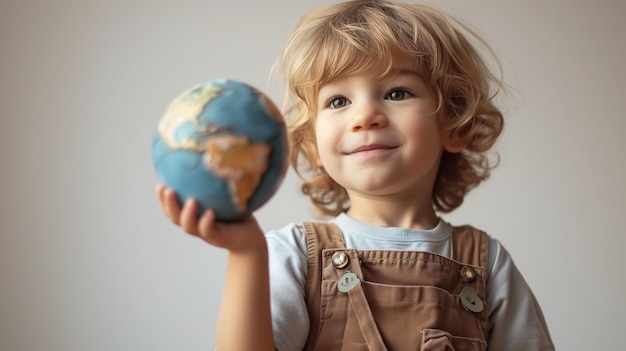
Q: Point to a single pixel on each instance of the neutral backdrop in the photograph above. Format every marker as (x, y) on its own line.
(88, 261)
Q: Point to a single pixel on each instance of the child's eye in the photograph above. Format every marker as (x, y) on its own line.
(338, 102)
(398, 94)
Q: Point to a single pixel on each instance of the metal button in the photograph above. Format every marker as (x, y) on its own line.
(468, 274)
(340, 259)
(470, 300)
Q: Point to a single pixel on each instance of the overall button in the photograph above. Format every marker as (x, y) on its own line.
(470, 300)
(468, 274)
(348, 281)
(340, 259)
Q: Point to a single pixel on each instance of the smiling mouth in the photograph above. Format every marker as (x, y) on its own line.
(370, 150)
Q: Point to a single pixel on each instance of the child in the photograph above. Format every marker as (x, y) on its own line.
(391, 117)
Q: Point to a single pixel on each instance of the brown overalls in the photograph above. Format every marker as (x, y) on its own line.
(395, 300)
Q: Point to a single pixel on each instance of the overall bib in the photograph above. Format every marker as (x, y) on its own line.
(395, 300)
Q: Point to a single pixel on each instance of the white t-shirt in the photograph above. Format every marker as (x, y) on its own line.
(515, 321)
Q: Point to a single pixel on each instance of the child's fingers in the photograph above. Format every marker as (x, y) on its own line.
(188, 218)
(170, 206)
(205, 226)
(164, 195)
(160, 189)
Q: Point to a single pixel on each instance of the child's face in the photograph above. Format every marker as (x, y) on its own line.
(379, 137)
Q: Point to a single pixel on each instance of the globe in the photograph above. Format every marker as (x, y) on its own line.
(224, 144)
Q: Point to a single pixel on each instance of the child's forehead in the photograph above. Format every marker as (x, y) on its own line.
(378, 75)
(382, 74)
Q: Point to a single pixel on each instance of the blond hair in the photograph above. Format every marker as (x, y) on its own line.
(376, 36)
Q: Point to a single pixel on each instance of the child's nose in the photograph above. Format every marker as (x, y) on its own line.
(368, 116)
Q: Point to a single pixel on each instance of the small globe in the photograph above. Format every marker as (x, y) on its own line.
(224, 144)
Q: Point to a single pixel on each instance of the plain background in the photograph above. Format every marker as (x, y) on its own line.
(87, 260)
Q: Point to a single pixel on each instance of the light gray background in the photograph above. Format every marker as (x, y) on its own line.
(88, 262)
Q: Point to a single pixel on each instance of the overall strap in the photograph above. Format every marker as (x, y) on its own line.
(359, 304)
(318, 237)
(470, 246)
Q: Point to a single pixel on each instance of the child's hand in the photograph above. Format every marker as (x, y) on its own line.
(236, 237)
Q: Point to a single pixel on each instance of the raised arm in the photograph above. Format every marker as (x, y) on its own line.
(244, 321)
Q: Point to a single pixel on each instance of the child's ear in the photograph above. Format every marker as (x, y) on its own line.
(454, 144)
(317, 161)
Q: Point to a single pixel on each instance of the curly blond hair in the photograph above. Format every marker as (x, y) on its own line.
(375, 36)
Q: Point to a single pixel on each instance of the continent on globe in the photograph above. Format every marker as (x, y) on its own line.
(185, 110)
(223, 143)
(240, 162)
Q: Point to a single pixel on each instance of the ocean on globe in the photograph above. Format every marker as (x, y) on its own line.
(224, 144)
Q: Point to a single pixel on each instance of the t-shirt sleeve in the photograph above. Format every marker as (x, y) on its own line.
(288, 268)
(515, 320)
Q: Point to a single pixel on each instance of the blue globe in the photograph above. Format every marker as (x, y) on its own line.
(224, 144)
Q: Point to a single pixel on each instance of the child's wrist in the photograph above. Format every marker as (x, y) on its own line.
(253, 246)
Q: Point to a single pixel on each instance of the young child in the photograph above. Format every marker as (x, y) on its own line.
(391, 117)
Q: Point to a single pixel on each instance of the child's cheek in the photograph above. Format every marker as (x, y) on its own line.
(322, 130)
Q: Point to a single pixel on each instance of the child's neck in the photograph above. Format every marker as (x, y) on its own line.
(394, 214)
